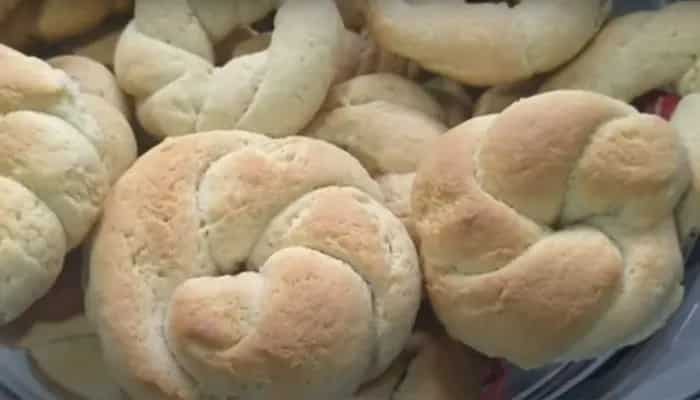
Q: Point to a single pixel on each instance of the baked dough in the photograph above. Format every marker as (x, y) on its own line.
(61, 150)
(547, 231)
(165, 60)
(486, 44)
(231, 264)
(637, 53)
(386, 122)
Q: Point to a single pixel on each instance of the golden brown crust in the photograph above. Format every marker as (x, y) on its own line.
(512, 209)
(165, 60)
(329, 299)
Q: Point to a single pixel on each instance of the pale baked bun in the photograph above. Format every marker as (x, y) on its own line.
(486, 44)
(25, 22)
(56, 167)
(165, 60)
(386, 122)
(686, 119)
(547, 231)
(638, 52)
(231, 264)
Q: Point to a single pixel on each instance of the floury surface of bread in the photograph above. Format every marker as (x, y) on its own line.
(385, 121)
(547, 231)
(57, 163)
(165, 60)
(231, 264)
(486, 44)
(637, 53)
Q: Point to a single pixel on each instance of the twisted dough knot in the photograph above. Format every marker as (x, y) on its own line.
(56, 166)
(386, 122)
(231, 264)
(547, 231)
(164, 59)
(486, 44)
(639, 52)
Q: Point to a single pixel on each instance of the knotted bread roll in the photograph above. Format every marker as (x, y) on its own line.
(58, 160)
(386, 122)
(231, 264)
(486, 44)
(164, 59)
(639, 52)
(24, 22)
(547, 231)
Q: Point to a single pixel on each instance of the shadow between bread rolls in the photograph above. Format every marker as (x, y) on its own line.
(548, 231)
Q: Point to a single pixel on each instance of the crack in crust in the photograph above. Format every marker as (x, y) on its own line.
(551, 225)
(326, 300)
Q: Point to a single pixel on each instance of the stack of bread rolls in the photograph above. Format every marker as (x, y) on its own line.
(259, 196)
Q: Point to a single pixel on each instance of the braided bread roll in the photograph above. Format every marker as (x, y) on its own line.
(57, 164)
(179, 91)
(386, 122)
(547, 231)
(23, 22)
(486, 44)
(638, 52)
(231, 264)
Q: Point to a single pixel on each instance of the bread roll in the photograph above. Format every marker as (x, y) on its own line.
(56, 168)
(486, 44)
(636, 53)
(386, 122)
(547, 231)
(178, 90)
(229, 264)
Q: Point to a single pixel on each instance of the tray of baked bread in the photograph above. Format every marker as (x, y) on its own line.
(349, 199)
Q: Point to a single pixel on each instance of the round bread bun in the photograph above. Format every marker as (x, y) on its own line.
(26, 22)
(165, 60)
(547, 231)
(58, 161)
(638, 52)
(229, 264)
(386, 122)
(486, 44)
